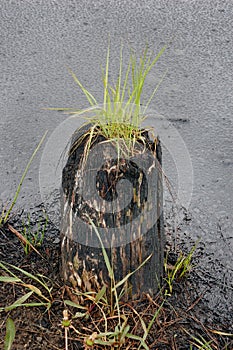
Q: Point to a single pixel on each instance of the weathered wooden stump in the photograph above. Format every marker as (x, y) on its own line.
(122, 198)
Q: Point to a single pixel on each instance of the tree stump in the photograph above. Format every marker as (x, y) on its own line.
(121, 198)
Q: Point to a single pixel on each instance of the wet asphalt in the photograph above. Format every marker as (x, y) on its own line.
(40, 39)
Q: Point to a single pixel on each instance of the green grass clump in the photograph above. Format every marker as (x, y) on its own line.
(33, 236)
(181, 269)
(119, 116)
(38, 289)
(43, 292)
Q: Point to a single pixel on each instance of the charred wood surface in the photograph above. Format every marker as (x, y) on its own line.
(131, 231)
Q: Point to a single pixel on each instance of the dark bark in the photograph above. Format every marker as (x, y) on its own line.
(83, 264)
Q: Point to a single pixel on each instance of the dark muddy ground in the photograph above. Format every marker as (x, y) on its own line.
(184, 315)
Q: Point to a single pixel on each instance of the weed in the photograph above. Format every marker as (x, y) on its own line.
(180, 269)
(120, 117)
(6, 212)
(44, 293)
(10, 334)
(201, 343)
(33, 236)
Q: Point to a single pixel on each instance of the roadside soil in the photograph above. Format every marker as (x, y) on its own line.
(182, 321)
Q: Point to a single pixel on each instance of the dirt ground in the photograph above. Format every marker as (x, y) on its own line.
(183, 316)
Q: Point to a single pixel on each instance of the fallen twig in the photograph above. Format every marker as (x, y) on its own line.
(24, 240)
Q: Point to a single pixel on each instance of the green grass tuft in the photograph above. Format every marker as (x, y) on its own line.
(120, 115)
